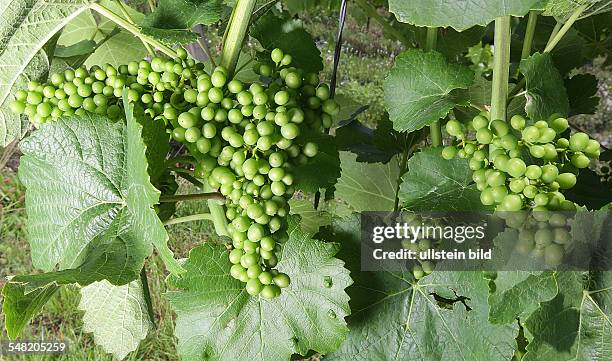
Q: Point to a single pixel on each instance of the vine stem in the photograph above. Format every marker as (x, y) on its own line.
(529, 33)
(147, 293)
(191, 197)
(434, 129)
(564, 29)
(190, 218)
(132, 29)
(127, 16)
(236, 32)
(501, 65)
(555, 38)
(372, 13)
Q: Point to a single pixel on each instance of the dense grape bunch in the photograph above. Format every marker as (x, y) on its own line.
(525, 167)
(522, 166)
(247, 138)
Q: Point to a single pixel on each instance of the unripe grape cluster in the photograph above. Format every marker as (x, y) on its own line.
(543, 235)
(247, 138)
(525, 165)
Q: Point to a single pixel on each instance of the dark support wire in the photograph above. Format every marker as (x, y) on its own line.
(334, 76)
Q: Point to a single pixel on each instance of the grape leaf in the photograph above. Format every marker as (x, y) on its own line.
(19, 307)
(422, 88)
(172, 20)
(118, 316)
(119, 49)
(323, 169)
(218, 320)
(25, 28)
(519, 293)
(84, 174)
(575, 325)
(582, 93)
(459, 14)
(288, 35)
(377, 145)
(590, 190)
(311, 219)
(395, 318)
(545, 92)
(368, 186)
(433, 183)
(453, 43)
(25, 295)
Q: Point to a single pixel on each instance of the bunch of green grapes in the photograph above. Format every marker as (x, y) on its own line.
(525, 167)
(247, 138)
(522, 166)
(151, 85)
(542, 235)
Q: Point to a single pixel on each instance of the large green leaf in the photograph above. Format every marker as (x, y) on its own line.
(218, 320)
(433, 183)
(25, 27)
(118, 316)
(453, 43)
(518, 293)
(422, 88)
(396, 318)
(287, 34)
(545, 91)
(83, 175)
(368, 186)
(172, 20)
(459, 14)
(576, 324)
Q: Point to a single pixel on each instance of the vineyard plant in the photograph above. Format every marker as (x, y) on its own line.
(114, 106)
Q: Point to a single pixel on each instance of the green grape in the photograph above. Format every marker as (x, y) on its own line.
(449, 152)
(566, 180)
(549, 173)
(579, 160)
(512, 202)
(559, 125)
(480, 122)
(499, 127)
(517, 122)
(516, 167)
(517, 185)
(454, 128)
(484, 136)
(578, 142)
(192, 134)
(530, 134)
(533, 172)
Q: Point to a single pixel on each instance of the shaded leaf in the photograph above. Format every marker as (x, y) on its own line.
(582, 94)
(322, 170)
(519, 293)
(422, 88)
(545, 92)
(310, 219)
(172, 20)
(396, 318)
(433, 183)
(368, 186)
(288, 35)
